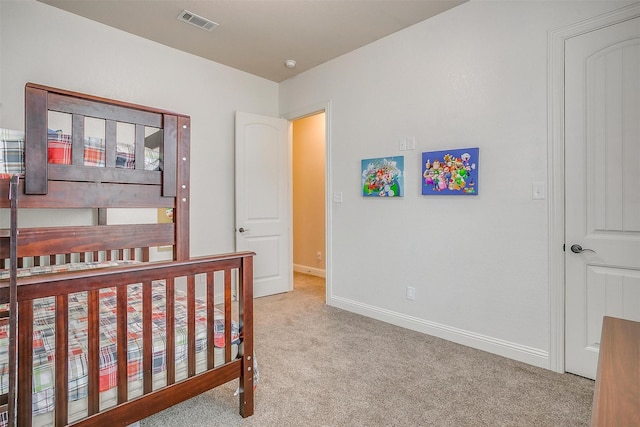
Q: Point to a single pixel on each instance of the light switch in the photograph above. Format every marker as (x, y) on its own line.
(538, 191)
(337, 197)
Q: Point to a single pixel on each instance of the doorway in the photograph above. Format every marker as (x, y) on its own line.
(264, 198)
(562, 295)
(309, 194)
(602, 257)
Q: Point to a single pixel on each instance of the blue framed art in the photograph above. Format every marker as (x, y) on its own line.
(450, 172)
(383, 177)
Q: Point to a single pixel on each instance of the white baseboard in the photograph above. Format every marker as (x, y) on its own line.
(320, 272)
(521, 353)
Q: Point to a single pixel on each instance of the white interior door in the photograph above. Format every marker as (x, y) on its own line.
(602, 182)
(263, 200)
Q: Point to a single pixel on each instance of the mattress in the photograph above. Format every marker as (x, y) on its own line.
(44, 347)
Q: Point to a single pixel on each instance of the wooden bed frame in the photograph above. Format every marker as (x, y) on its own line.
(77, 186)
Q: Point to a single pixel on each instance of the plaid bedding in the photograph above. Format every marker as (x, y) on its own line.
(44, 341)
(11, 153)
(151, 159)
(60, 268)
(125, 156)
(59, 149)
(59, 152)
(94, 152)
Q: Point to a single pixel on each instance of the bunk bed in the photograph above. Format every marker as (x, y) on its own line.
(94, 329)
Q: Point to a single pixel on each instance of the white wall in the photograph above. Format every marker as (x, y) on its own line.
(42, 44)
(475, 76)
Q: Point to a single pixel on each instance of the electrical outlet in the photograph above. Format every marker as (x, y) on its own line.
(411, 293)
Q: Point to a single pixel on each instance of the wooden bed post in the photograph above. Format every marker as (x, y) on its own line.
(35, 152)
(13, 300)
(181, 213)
(246, 326)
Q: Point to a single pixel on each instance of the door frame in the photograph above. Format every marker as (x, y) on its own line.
(300, 114)
(555, 172)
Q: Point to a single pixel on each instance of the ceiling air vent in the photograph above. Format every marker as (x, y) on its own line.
(197, 20)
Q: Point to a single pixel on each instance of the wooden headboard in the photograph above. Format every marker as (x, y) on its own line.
(75, 185)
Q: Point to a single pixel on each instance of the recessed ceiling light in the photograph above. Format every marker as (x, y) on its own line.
(197, 20)
(290, 63)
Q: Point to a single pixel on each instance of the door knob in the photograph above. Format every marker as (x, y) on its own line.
(242, 229)
(577, 249)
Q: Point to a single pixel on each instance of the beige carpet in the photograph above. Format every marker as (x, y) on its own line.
(321, 366)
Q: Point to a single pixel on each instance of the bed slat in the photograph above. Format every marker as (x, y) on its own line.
(191, 325)
(93, 356)
(210, 321)
(61, 365)
(25, 362)
(51, 240)
(145, 254)
(121, 329)
(110, 143)
(147, 341)
(139, 146)
(66, 102)
(164, 398)
(227, 313)
(77, 143)
(102, 174)
(171, 338)
(98, 194)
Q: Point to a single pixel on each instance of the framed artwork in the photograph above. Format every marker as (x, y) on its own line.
(383, 177)
(450, 172)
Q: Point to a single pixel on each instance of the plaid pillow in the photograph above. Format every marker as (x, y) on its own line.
(59, 147)
(93, 151)
(151, 159)
(11, 152)
(125, 156)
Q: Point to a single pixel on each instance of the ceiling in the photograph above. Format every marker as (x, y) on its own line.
(258, 36)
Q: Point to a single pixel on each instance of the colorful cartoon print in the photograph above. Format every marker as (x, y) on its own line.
(453, 172)
(383, 177)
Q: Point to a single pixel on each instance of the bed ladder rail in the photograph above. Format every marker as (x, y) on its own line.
(134, 253)
(11, 315)
(4, 398)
